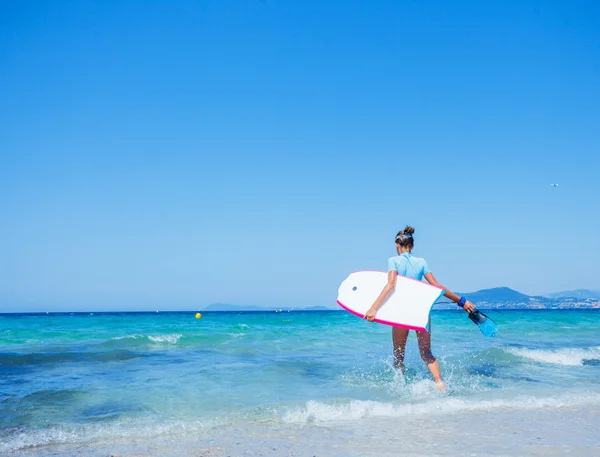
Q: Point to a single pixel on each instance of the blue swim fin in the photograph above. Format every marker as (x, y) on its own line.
(487, 326)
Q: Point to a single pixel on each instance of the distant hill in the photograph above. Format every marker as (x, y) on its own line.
(497, 294)
(506, 298)
(577, 293)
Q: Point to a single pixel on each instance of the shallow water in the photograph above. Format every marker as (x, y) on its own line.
(118, 383)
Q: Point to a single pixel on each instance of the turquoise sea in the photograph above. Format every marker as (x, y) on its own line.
(295, 383)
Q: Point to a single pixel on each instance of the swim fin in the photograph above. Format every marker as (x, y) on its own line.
(487, 326)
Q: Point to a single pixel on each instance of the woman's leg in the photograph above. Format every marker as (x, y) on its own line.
(424, 340)
(399, 337)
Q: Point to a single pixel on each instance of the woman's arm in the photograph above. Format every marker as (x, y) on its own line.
(387, 289)
(468, 306)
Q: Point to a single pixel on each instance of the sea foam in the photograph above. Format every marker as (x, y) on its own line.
(562, 356)
(169, 338)
(322, 412)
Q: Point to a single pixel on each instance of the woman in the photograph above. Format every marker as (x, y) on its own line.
(406, 264)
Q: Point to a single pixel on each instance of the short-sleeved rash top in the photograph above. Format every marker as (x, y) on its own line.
(408, 265)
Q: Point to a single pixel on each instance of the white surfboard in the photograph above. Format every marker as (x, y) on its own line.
(408, 306)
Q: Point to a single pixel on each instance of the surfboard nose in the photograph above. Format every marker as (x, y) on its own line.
(355, 292)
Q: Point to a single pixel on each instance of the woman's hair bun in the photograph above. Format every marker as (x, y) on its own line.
(408, 230)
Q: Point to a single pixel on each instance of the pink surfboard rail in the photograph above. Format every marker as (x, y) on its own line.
(381, 321)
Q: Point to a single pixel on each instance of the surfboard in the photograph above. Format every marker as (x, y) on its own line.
(408, 306)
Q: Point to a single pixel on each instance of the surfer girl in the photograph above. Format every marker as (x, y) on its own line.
(406, 264)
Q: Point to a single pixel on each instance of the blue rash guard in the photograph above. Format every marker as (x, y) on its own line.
(408, 265)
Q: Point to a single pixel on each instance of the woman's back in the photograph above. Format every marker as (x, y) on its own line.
(408, 265)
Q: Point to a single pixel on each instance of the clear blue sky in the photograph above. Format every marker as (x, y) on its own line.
(169, 155)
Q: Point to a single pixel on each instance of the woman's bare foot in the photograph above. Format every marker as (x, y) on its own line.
(439, 385)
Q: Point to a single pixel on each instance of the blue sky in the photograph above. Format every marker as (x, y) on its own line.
(174, 154)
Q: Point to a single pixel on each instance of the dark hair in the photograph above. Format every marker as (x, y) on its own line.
(405, 238)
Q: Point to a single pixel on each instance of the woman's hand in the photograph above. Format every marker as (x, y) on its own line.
(370, 316)
(469, 307)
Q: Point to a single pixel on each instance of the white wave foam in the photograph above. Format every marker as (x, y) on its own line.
(171, 338)
(135, 337)
(564, 356)
(75, 434)
(315, 411)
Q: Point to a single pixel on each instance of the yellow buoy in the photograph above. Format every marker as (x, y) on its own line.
(198, 315)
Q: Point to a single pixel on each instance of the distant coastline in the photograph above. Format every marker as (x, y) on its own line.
(495, 298)
(506, 298)
(501, 298)
(16, 314)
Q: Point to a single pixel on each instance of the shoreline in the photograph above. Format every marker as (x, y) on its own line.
(542, 432)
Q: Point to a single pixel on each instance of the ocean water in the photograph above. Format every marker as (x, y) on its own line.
(296, 383)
